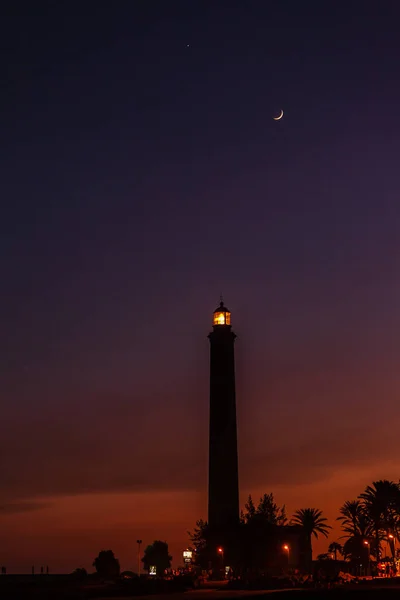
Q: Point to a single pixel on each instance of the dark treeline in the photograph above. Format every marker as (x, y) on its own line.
(370, 520)
(155, 555)
(367, 522)
(258, 540)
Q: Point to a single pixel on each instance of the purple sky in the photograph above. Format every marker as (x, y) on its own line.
(141, 176)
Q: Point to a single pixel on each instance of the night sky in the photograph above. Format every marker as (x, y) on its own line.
(141, 176)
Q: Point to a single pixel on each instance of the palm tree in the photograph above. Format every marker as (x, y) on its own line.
(313, 523)
(381, 502)
(354, 519)
(335, 548)
(356, 526)
(355, 550)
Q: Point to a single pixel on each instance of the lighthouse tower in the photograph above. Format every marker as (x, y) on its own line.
(223, 479)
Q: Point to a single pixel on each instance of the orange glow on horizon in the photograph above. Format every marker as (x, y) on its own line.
(69, 531)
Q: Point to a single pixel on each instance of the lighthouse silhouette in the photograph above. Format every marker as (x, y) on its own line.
(223, 476)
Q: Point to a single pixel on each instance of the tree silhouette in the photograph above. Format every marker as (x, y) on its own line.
(199, 536)
(356, 526)
(313, 523)
(79, 574)
(201, 543)
(258, 532)
(267, 511)
(106, 564)
(157, 555)
(335, 548)
(381, 502)
(129, 575)
(250, 510)
(251, 545)
(355, 520)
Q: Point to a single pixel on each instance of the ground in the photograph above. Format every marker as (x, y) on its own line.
(384, 589)
(373, 591)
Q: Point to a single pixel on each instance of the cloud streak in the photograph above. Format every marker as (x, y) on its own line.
(97, 456)
(22, 507)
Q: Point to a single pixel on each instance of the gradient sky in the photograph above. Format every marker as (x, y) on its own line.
(141, 176)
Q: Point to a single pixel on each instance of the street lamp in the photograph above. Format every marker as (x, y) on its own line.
(393, 540)
(221, 553)
(366, 543)
(287, 549)
(139, 543)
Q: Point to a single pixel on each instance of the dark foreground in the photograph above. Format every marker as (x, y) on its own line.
(62, 589)
(351, 592)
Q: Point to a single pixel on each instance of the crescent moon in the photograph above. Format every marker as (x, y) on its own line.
(280, 116)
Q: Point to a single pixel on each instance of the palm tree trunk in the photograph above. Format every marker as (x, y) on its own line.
(309, 554)
(377, 543)
(392, 550)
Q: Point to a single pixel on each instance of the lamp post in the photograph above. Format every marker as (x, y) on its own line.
(287, 549)
(139, 543)
(221, 553)
(366, 543)
(393, 540)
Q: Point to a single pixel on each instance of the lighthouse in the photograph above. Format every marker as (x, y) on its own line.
(223, 476)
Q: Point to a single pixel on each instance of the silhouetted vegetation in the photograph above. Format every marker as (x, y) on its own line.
(367, 522)
(258, 539)
(258, 526)
(324, 556)
(106, 564)
(267, 511)
(335, 548)
(313, 524)
(79, 574)
(157, 555)
(248, 544)
(129, 575)
(373, 518)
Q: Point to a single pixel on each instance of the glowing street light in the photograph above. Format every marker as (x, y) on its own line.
(287, 549)
(221, 553)
(393, 540)
(366, 543)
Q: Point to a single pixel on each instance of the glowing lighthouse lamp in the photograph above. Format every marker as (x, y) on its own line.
(222, 316)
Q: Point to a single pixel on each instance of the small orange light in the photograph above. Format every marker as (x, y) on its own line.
(220, 550)
(286, 547)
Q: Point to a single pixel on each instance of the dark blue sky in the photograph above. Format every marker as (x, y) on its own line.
(141, 175)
